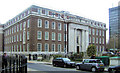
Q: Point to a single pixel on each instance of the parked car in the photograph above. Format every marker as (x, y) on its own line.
(90, 64)
(63, 62)
(114, 69)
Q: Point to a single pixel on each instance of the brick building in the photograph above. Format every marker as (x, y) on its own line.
(41, 30)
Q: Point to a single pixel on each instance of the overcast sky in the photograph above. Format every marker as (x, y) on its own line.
(93, 9)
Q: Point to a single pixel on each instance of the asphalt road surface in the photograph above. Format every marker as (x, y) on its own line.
(43, 68)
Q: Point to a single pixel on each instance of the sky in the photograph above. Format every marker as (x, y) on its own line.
(93, 9)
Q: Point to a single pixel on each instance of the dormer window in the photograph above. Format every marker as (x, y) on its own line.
(39, 11)
(50, 13)
(43, 11)
(28, 12)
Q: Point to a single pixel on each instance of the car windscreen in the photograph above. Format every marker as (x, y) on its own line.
(66, 59)
(95, 61)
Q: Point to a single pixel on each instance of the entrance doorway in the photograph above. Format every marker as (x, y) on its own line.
(78, 49)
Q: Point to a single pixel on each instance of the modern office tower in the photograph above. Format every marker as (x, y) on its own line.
(114, 25)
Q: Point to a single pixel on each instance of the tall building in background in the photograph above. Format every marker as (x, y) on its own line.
(46, 31)
(114, 25)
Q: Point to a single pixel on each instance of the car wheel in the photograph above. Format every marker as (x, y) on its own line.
(78, 67)
(111, 71)
(93, 69)
(54, 64)
(64, 65)
(102, 70)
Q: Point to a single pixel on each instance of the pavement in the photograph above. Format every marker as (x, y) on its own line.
(49, 63)
(40, 62)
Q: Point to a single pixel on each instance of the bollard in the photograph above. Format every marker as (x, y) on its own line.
(29, 57)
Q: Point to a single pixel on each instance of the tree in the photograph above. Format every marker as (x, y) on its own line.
(113, 41)
(91, 50)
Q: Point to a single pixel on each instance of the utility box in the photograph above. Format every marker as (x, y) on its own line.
(114, 61)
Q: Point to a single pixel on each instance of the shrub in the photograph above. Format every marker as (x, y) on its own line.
(91, 50)
(76, 56)
(57, 55)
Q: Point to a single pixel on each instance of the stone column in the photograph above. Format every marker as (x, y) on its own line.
(87, 40)
(75, 33)
(83, 40)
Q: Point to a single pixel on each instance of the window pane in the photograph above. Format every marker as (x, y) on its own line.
(46, 47)
(46, 24)
(59, 47)
(46, 35)
(53, 25)
(39, 35)
(53, 36)
(39, 47)
(59, 26)
(39, 23)
(28, 23)
(53, 47)
(59, 36)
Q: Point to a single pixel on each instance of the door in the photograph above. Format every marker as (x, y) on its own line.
(78, 49)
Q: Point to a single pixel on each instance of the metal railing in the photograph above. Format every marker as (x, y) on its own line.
(14, 64)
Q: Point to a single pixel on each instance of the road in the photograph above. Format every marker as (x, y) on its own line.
(43, 68)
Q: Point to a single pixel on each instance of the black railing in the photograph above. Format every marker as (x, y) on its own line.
(14, 64)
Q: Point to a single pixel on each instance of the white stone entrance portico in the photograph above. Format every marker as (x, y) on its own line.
(78, 38)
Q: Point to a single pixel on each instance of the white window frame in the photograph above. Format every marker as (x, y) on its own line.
(46, 35)
(59, 26)
(96, 31)
(99, 32)
(39, 35)
(59, 36)
(53, 35)
(103, 33)
(100, 40)
(59, 47)
(46, 25)
(103, 41)
(20, 26)
(27, 35)
(90, 31)
(46, 49)
(14, 29)
(39, 11)
(96, 39)
(53, 47)
(39, 48)
(28, 23)
(53, 25)
(39, 23)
